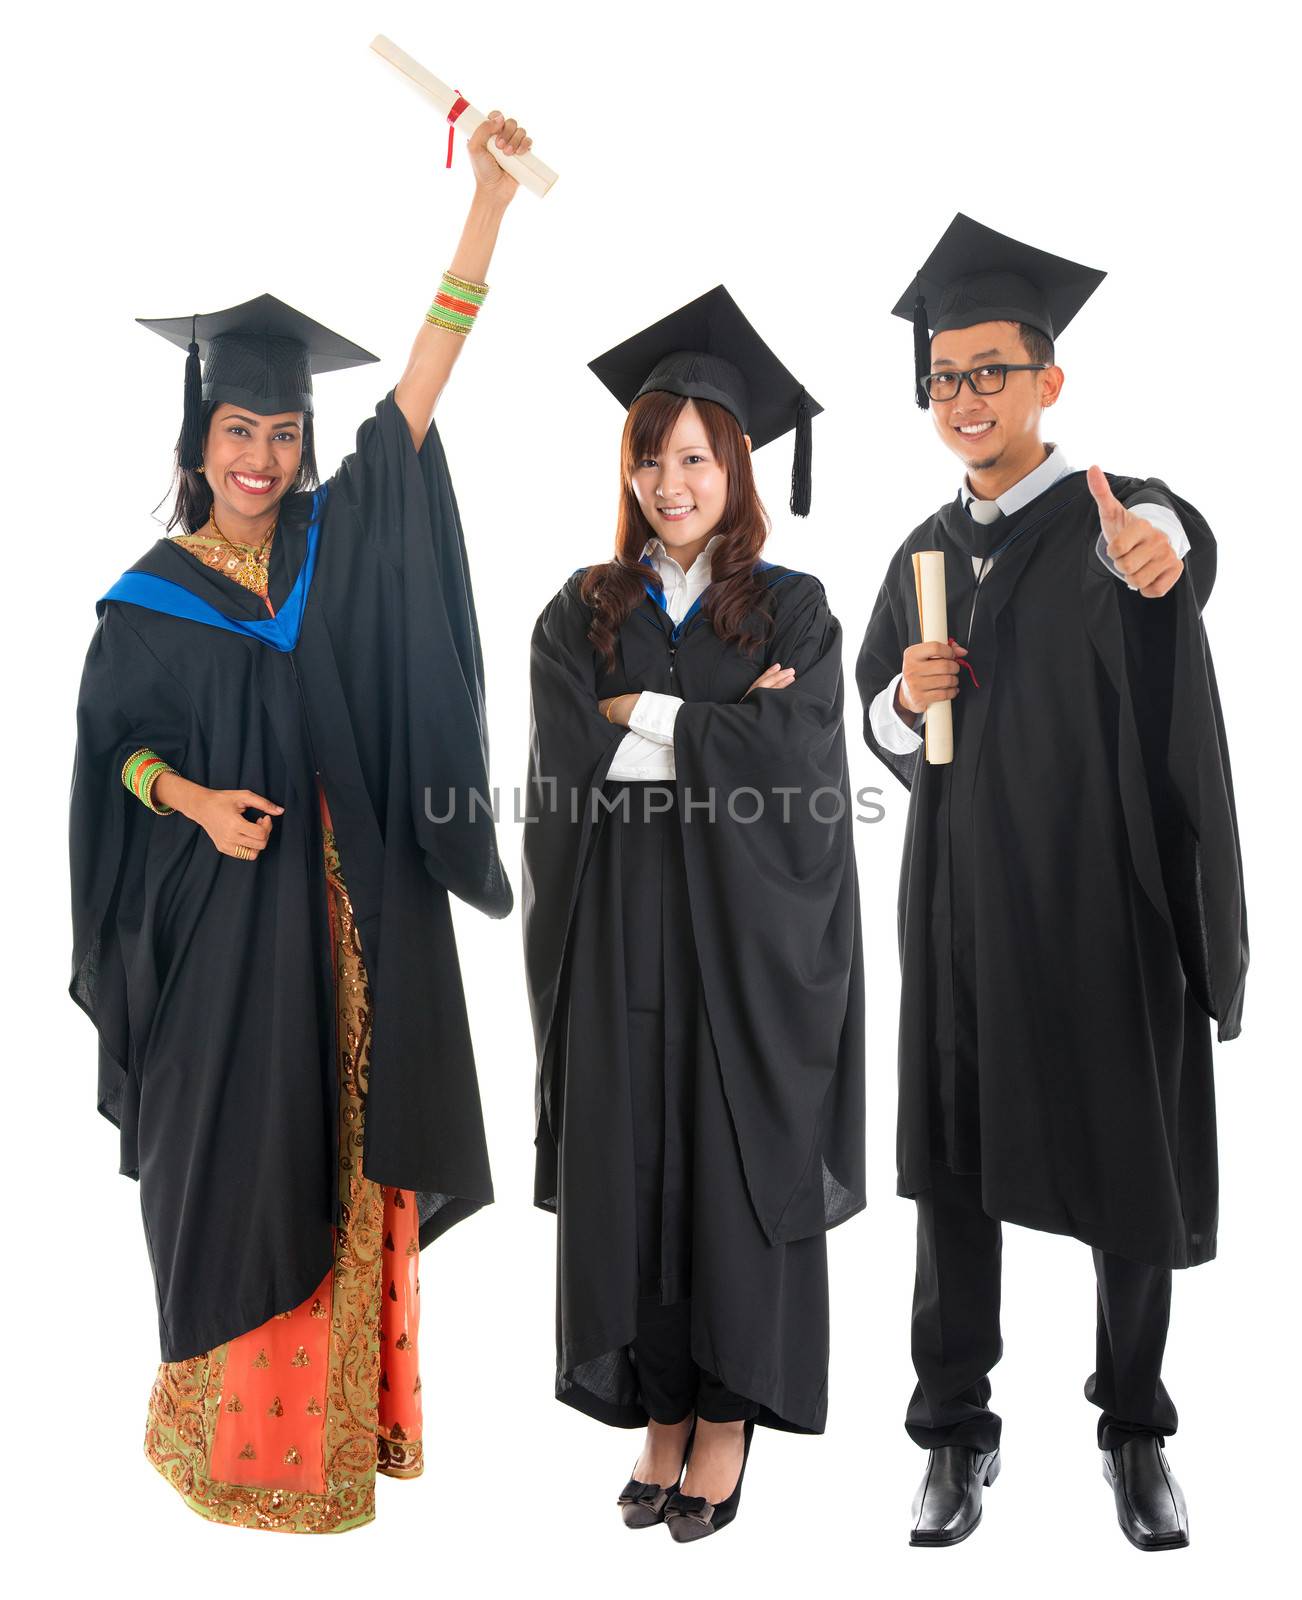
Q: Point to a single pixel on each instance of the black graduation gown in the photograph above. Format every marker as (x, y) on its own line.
(1071, 905)
(209, 979)
(774, 919)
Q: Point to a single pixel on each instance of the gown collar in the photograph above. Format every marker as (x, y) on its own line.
(696, 580)
(170, 579)
(989, 539)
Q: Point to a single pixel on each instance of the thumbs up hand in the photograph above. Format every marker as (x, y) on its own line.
(1141, 551)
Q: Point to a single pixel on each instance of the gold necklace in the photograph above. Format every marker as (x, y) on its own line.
(253, 562)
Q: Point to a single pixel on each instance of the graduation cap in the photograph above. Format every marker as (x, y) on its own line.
(261, 354)
(977, 275)
(707, 350)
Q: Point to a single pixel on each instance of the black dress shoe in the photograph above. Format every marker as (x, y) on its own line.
(642, 1505)
(947, 1505)
(691, 1516)
(1150, 1506)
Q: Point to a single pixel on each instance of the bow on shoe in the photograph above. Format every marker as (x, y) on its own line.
(635, 1493)
(690, 1505)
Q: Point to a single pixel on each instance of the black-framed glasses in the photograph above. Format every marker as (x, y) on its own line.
(981, 380)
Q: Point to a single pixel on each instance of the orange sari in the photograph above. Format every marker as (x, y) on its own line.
(286, 1426)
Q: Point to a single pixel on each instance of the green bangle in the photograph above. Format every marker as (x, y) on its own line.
(151, 778)
(456, 304)
(140, 772)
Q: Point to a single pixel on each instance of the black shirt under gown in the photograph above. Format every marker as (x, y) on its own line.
(738, 956)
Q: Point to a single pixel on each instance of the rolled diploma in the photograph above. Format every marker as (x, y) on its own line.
(929, 578)
(527, 168)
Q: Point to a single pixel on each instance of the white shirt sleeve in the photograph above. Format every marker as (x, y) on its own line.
(636, 757)
(889, 731)
(647, 749)
(1161, 517)
(654, 715)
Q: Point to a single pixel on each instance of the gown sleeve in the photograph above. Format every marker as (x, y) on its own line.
(126, 700)
(571, 748)
(775, 732)
(1174, 766)
(395, 582)
(775, 914)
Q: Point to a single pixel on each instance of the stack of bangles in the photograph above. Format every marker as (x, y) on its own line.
(140, 772)
(456, 305)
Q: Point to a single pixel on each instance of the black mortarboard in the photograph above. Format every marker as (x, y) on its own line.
(261, 354)
(707, 350)
(977, 275)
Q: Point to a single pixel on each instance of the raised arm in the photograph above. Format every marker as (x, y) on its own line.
(442, 334)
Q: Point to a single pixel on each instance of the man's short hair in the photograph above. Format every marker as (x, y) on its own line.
(1039, 346)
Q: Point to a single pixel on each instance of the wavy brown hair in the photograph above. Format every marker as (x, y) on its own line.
(614, 588)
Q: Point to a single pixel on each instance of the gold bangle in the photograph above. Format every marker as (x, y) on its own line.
(437, 321)
(158, 807)
(465, 283)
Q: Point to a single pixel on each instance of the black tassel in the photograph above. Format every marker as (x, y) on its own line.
(921, 348)
(190, 450)
(801, 481)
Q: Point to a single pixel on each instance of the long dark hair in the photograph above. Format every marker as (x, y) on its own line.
(192, 504)
(614, 588)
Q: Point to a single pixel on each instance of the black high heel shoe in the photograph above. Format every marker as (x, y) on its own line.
(691, 1516)
(642, 1505)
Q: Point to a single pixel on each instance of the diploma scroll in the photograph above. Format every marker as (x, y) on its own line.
(531, 173)
(929, 578)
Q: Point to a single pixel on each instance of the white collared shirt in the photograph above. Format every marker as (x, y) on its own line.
(896, 736)
(647, 749)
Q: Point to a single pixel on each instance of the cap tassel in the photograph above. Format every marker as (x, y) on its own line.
(921, 349)
(801, 478)
(190, 450)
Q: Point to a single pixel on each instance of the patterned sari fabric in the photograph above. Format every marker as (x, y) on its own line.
(286, 1426)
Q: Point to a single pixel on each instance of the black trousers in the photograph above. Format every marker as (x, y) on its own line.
(670, 1383)
(957, 1340)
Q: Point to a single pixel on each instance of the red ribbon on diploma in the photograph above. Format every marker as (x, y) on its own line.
(458, 106)
(968, 665)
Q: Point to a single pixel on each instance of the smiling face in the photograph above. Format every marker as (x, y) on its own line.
(250, 463)
(683, 490)
(996, 435)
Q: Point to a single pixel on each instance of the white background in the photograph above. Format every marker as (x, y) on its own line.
(177, 157)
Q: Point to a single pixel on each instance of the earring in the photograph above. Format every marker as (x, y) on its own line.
(199, 470)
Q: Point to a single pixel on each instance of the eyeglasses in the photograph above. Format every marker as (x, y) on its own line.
(981, 380)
